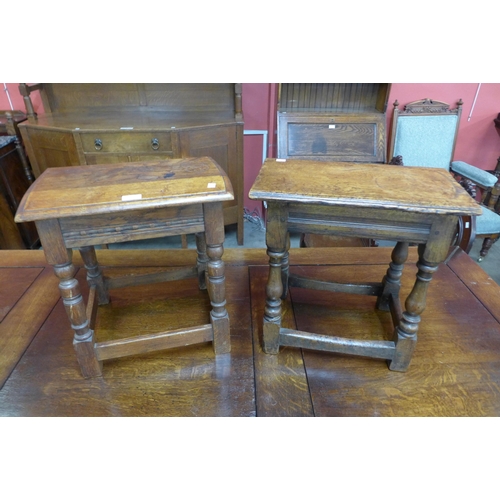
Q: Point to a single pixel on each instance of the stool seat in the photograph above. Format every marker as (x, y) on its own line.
(80, 207)
(362, 185)
(101, 189)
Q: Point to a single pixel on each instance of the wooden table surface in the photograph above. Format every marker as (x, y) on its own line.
(454, 370)
(412, 189)
(101, 189)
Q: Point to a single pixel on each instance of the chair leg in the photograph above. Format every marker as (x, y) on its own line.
(487, 244)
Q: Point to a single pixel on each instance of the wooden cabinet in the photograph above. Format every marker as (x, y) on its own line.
(333, 121)
(15, 178)
(13, 185)
(89, 124)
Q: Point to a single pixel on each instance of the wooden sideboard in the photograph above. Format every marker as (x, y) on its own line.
(89, 124)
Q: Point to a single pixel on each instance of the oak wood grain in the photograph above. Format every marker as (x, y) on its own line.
(14, 282)
(79, 207)
(477, 281)
(454, 370)
(99, 189)
(280, 381)
(458, 347)
(345, 184)
(21, 324)
(184, 381)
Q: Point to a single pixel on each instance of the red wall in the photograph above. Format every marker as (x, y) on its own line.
(478, 142)
(16, 98)
(259, 113)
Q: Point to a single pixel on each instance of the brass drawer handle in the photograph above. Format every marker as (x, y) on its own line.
(155, 144)
(98, 144)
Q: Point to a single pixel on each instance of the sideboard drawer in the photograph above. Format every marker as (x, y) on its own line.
(126, 142)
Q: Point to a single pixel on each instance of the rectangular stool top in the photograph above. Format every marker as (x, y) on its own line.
(412, 189)
(101, 189)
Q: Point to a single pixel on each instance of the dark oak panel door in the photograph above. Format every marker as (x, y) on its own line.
(222, 143)
(49, 148)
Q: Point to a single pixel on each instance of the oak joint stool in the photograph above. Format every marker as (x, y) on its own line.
(80, 207)
(385, 202)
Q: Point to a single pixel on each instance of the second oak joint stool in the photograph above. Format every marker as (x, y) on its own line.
(404, 204)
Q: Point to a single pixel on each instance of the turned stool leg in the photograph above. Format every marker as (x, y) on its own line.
(83, 341)
(202, 260)
(392, 280)
(94, 274)
(405, 334)
(277, 241)
(217, 292)
(272, 310)
(214, 236)
(60, 258)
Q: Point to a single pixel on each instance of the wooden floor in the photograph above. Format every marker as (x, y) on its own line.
(455, 370)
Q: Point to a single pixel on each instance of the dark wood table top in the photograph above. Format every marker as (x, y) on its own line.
(102, 189)
(412, 189)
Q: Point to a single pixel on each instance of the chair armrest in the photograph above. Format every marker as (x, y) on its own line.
(480, 177)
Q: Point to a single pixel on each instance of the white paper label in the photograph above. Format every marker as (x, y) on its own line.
(331, 126)
(281, 159)
(126, 128)
(131, 197)
(211, 185)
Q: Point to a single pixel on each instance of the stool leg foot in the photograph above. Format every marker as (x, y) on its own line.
(85, 354)
(222, 343)
(271, 336)
(405, 345)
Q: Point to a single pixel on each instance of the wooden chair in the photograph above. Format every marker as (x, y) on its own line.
(424, 134)
(9, 121)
